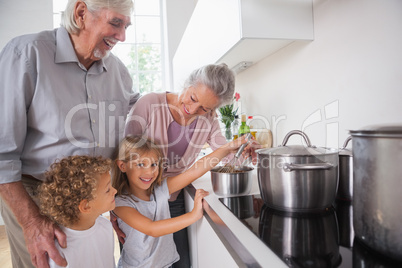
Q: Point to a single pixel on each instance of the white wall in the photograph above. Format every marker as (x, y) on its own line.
(19, 17)
(353, 69)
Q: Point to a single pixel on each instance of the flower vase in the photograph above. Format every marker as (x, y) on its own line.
(228, 133)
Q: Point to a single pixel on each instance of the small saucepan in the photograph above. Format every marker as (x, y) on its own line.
(232, 184)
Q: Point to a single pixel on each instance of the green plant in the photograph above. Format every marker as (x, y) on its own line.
(227, 115)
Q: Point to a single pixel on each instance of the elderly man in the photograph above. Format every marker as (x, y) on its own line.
(62, 93)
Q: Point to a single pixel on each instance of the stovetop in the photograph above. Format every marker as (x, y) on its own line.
(307, 239)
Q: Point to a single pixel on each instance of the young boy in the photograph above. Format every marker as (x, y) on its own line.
(76, 192)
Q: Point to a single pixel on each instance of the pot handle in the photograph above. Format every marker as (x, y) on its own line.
(346, 142)
(313, 166)
(293, 132)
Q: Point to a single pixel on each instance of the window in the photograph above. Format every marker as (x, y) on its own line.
(142, 52)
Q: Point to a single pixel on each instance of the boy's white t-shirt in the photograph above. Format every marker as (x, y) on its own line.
(92, 248)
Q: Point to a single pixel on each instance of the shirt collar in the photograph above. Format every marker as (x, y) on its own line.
(65, 52)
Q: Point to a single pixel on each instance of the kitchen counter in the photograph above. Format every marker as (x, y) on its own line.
(246, 248)
(245, 238)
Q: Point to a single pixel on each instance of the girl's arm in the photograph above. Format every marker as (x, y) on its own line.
(203, 165)
(136, 220)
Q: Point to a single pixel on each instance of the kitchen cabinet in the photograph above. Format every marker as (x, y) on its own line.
(220, 239)
(206, 248)
(233, 32)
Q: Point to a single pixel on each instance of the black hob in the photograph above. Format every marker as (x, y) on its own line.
(323, 239)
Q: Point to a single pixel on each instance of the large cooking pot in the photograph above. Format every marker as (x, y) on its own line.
(345, 187)
(377, 184)
(364, 257)
(301, 239)
(298, 178)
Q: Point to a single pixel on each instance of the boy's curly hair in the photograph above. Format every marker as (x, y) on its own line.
(68, 182)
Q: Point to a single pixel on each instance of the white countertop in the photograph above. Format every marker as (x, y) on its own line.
(261, 253)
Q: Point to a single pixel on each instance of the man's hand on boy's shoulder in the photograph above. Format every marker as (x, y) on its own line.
(39, 236)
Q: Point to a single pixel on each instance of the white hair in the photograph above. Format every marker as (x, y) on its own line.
(124, 7)
(219, 78)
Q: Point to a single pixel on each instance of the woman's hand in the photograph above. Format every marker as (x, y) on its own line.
(250, 149)
(233, 146)
(119, 232)
(198, 209)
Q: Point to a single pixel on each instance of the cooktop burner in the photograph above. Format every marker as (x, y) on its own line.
(307, 239)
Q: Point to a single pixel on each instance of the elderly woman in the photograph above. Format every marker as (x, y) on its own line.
(181, 124)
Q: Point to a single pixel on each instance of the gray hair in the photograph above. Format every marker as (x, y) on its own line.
(219, 78)
(124, 7)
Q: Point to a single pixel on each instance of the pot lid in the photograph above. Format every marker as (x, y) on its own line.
(297, 150)
(391, 131)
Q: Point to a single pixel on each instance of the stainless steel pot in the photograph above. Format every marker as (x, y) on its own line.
(300, 239)
(344, 215)
(377, 184)
(232, 184)
(298, 178)
(364, 257)
(345, 187)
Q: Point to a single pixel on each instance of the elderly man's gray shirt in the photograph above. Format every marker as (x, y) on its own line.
(52, 106)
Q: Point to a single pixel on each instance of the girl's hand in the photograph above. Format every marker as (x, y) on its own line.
(198, 211)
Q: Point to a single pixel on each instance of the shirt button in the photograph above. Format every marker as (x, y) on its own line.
(89, 96)
(93, 121)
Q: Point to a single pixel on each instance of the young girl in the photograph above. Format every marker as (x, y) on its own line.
(142, 200)
(76, 192)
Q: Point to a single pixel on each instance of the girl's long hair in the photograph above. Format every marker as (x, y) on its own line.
(130, 148)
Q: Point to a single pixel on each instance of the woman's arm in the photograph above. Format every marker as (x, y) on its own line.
(136, 220)
(203, 165)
